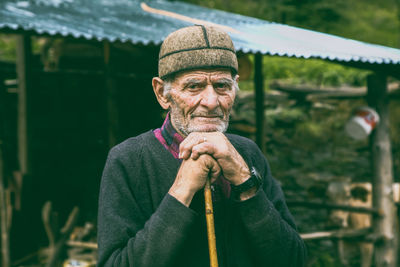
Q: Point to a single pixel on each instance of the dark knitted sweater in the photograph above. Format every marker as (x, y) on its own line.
(140, 224)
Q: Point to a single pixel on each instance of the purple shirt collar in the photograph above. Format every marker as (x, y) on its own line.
(169, 137)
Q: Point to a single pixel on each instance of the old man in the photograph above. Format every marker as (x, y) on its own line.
(151, 207)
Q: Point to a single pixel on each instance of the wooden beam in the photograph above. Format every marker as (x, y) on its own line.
(259, 99)
(82, 244)
(338, 235)
(381, 156)
(24, 58)
(330, 206)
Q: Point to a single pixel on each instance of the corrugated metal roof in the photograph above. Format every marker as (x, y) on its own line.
(152, 20)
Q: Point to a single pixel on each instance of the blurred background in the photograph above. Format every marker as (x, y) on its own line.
(66, 99)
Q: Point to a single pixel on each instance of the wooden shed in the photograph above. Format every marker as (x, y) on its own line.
(90, 88)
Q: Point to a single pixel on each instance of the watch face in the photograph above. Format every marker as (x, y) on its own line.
(255, 173)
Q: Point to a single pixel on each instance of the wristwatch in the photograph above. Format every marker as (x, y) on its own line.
(254, 180)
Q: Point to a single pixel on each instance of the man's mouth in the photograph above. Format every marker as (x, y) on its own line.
(208, 116)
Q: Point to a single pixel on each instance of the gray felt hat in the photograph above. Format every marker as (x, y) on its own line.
(196, 47)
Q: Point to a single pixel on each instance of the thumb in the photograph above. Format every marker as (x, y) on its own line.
(214, 172)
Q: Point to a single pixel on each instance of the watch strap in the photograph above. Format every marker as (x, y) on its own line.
(254, 181)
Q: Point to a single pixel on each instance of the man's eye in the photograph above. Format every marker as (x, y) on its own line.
(222, 86)
(193, 86)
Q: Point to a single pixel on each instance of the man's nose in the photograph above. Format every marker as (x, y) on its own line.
(209, 98)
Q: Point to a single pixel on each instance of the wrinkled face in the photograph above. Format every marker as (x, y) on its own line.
(201, 100)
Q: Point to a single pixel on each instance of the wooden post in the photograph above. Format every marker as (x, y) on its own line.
(259, 99)
(4, 208)
(24, 77)
(111, 98)
(381, 155)
(5, 240)
(24, 57)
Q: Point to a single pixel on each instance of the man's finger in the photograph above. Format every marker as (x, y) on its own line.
(202, 148)
(215, 172)
(214, 168)
(185, 148)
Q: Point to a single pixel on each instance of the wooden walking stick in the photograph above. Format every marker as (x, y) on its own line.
(212, 248)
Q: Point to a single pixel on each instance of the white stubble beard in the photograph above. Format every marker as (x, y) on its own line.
(178, 119)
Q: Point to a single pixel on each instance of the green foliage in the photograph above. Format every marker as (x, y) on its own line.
(7, 47)
(312, 71)
(310, 130)
(308, 71)
(288, 116)
(375, 22)
(324, 259)
(368, 20)
(246, 85)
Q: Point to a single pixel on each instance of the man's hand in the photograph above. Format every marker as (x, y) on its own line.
(215, 144)
(192, 176)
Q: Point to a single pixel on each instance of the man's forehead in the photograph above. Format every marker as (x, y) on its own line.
(202, 74)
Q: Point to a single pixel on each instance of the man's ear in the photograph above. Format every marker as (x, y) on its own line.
(236, 78)
(158, 88)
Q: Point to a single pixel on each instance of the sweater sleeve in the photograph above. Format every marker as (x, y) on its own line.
(126, 236)
(268, 222)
